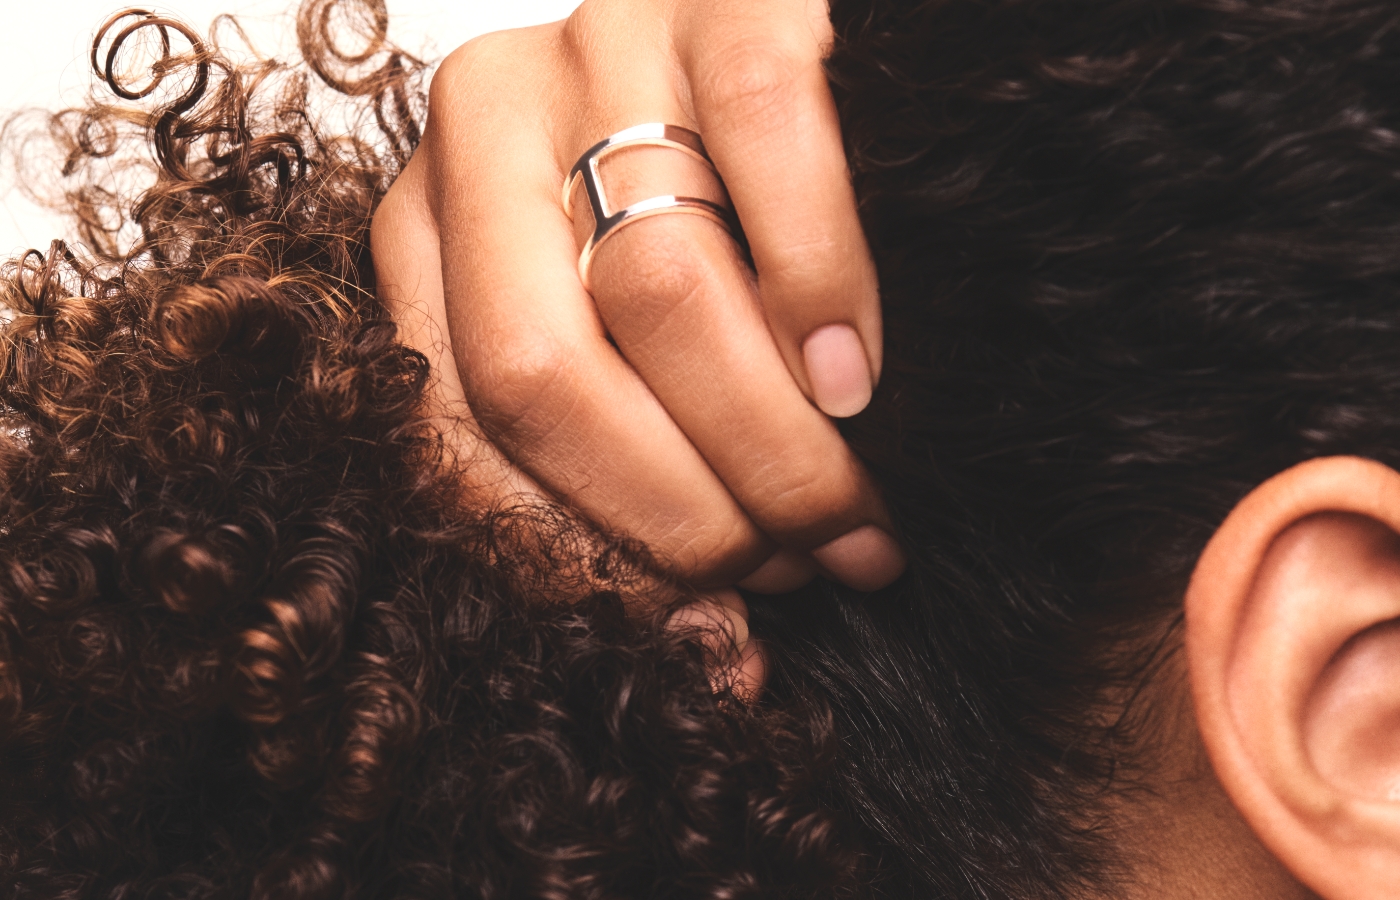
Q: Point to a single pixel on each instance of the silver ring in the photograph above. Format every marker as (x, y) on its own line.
(607, 222)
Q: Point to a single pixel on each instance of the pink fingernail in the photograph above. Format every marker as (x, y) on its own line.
(721, 616)
(838, 370)
(866, 558)
(751, 672)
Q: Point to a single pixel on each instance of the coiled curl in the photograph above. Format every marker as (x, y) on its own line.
(252, 641)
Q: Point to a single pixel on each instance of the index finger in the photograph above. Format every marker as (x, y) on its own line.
(770, 124)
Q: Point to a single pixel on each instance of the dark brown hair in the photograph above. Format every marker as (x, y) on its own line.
(252, 642)
(1136, 256)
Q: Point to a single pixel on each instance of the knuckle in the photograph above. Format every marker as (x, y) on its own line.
(805, 267)
(661, 269)
(518, 385)
(489, 61)
(654, 274)
(723, 547)
(598, 33)
(798, 496)
(464, 64)
(582, 26)
(750, 79)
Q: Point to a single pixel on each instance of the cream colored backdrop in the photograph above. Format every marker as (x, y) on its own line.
(44, 46)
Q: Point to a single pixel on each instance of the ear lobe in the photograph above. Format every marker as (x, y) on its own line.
(1293, 640)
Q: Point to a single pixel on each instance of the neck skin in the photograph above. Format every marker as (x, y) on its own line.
(1178, 833)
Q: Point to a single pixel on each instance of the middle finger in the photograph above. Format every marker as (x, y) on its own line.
(676, 296)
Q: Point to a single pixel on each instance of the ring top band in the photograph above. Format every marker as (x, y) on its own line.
(606, 220)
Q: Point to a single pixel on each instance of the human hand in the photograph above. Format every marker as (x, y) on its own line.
(671, 405)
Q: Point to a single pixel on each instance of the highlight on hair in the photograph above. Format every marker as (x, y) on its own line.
(1136, 256)
(253, 642)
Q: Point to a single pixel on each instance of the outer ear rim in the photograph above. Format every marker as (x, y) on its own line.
(1284, 817)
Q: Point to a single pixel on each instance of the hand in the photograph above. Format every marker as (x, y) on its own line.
(673, 404)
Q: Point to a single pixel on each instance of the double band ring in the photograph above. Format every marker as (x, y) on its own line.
(608, 220)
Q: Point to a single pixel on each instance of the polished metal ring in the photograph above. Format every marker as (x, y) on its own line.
(608, 222)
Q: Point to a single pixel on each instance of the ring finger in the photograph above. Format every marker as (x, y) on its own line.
(678, 299)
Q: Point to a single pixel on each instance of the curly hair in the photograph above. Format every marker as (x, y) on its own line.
(1136, 256)
(253, 641)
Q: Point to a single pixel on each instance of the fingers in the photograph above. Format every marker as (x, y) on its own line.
(669, 411)
(542, 379)
(407, 269)
(408, 276)
(676, 297)
(763, 105)
(737, 661)
(682, 308)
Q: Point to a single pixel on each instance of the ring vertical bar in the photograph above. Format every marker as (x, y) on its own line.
(607, 222)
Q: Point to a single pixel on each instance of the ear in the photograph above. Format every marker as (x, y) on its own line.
(1293, 640)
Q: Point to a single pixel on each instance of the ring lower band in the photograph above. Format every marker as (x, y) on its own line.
(607, 222)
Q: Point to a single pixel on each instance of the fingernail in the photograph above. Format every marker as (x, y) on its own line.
(738, 665)
(838, 370)
(722, 617)
(784, 571)
(751, 672)
(866, 558)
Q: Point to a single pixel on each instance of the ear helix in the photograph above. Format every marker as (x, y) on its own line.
(1304, 565)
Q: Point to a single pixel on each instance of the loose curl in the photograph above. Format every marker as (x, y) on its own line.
(253, 641)
(1136, 256)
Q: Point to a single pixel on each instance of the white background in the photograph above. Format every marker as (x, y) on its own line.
(44, 48)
